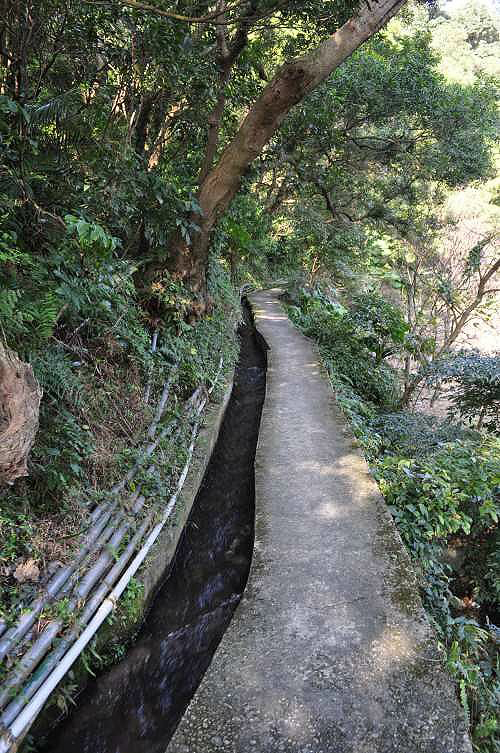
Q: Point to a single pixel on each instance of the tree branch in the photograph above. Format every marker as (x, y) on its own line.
(147, 8)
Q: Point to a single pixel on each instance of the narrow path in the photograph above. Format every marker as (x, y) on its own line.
(329, 650)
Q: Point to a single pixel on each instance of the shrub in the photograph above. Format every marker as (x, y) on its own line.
(354, 342)
(379, 325)
(456, 490)
(473, 381)
(415, 434)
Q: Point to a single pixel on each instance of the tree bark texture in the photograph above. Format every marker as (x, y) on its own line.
(20, 396)
(289, 86)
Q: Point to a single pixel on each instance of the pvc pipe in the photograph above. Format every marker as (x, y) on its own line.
(27, 716)
(35, 705)
(16, 705)
(147, 391)
(19, 630)
(16, 632)
(44, 641)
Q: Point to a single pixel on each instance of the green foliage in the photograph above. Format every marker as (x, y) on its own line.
(415, 434)
(92, 238)
(453, 491)
(245, 239)
(468, 38)
(456, 490)
(379, 325)
(93, 419)
(198, 346)
(441, 481)
(49, 301)
(473, 381)
(76, 281)
(131, 603)
(377, 140)
(474, 663)
(62, 457)
(27, 313)
(354, 342)
(16, 528)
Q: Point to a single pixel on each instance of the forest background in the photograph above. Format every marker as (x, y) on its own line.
(375, 203)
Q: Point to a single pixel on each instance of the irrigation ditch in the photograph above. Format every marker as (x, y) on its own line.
(135, 706)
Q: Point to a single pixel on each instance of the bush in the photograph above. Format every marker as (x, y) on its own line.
(473, 381)
(456, 490)
(379, 325)
(415, 434)
(354, 342)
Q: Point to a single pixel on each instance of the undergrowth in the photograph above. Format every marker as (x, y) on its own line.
(75, 316)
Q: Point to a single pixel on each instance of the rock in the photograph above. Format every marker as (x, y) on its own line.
(20, 396)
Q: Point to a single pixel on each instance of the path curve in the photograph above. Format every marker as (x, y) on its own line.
(329, 650)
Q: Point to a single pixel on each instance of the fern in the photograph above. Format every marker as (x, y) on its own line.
(463, 699)
(60, 107)
(28, 319)
(12, 319)
(44, 314)
(53, 369)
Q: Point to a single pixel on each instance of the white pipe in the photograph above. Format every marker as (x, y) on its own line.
(43, 671)
(35, 705)
(10, 639)
(19, 727)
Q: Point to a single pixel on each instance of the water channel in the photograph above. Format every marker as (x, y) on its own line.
(135, 706)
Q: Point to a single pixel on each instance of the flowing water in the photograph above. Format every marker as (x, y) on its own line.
(136, 705)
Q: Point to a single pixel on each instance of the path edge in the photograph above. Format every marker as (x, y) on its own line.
(388, 540)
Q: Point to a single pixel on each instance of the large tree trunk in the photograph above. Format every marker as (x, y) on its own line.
(290, 85)
(20, 396)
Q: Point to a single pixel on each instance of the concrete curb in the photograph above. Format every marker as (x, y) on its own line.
(156, 568)
(329, 649)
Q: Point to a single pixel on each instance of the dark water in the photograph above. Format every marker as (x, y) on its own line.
(136, 705)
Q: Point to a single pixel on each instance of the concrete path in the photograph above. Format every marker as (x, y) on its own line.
(329, 650)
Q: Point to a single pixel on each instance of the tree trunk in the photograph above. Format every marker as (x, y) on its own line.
(290, 85)
(214, 122)
(141, 124)
(20, 396)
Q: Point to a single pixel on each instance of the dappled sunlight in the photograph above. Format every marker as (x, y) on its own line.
(328, 510)
(273, 317)
(391, 646)
(317, 468)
